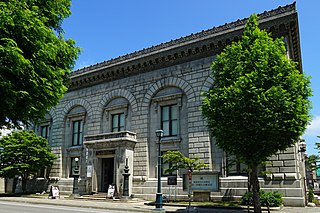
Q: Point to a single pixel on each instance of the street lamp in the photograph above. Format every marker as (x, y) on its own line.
(302, 146)
(159, 134)
(126, 175)
(76, 175)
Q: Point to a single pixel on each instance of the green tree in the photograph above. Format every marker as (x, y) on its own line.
(24, 153)
(259, 102)
(35, 59)
(312, 162)
(179, 161)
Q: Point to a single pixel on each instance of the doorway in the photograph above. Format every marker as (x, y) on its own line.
(107, 173)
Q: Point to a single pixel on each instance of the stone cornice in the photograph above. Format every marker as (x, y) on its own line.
(282, 21)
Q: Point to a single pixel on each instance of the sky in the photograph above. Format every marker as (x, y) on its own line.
(108, 29)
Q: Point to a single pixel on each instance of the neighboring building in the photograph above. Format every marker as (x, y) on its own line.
(111, 112)
(313, 179)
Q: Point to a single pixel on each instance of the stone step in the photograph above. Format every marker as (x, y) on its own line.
(97, 196)
(153, 189)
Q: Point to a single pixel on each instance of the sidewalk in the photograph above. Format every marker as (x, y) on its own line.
(137, 205)
(134, 205)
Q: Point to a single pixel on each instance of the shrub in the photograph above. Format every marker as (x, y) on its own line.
(247, 198)
(310, 195)
(274, 199)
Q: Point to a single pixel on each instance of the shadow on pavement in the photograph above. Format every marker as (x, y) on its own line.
(212, 209)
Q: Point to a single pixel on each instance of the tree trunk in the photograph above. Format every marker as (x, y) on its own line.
(249, 186)
(14, 187)
(249, 181)
(24, 179)
(255, 189)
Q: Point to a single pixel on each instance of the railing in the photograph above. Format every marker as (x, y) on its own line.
(111, 135)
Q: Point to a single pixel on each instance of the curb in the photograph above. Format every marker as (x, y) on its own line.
(77, 204)
(89, 203)
(218, 207)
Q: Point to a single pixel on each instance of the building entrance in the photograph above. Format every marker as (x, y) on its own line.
(107, 173)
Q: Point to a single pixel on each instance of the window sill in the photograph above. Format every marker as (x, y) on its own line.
(75, 148)
(168, 140)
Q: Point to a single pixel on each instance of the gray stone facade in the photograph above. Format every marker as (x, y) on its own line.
(136, 87)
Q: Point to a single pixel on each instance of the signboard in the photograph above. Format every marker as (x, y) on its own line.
(172, 180)
(111, 190)
(106, 152)
(318, 172)
(89, 171)
(54, 192)
(205, 181)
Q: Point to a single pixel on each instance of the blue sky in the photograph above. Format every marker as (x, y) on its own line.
(108, 29)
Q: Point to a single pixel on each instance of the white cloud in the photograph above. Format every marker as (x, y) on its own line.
(313, 129)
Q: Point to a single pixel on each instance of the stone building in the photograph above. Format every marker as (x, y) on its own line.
(110, 114)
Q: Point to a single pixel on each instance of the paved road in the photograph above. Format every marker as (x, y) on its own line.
(15, 207)
(37, 205)
(211, 210)
(223, 210)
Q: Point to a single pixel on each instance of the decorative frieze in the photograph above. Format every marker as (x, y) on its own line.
(192, 47)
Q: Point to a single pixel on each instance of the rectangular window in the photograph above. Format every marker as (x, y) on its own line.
(165, 166)
(45, 131)
(118, 122)
(77, 133)
(41, 173)
(45, 134)
(235, 167)
(169, 120)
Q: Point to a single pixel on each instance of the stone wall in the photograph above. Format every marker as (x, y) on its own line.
(138, 84)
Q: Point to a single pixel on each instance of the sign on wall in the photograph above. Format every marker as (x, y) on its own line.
(207, 181)
(89, 170)
(172, 180)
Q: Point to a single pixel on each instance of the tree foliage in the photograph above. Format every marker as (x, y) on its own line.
(35, 59)
(259, 102)
(179, 161)
(24, 153)
(312, 162)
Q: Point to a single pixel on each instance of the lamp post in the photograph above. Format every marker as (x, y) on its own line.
(76, 175)
(159, 134)
(126, 175)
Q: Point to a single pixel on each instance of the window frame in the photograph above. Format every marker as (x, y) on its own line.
(239, 167)
(78, 133)
(42, 173)
(110, 111)
(118, 127)
(167, 100)
(170, 120)
(46, 127)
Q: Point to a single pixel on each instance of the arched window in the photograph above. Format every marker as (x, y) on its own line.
(116, 115)
(76, 118)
